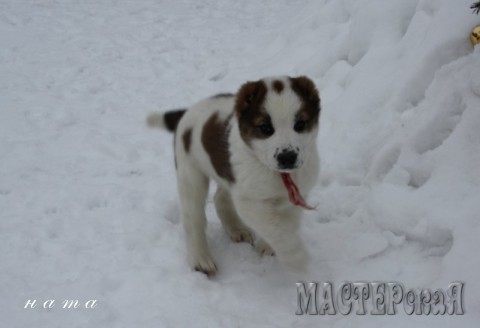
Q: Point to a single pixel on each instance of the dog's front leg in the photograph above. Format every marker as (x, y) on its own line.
(278, 227)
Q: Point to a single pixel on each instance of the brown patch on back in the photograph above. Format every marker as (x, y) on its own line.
(187, 139)
(249, 110)
(308, 94)
(278, 86)
(215, 141)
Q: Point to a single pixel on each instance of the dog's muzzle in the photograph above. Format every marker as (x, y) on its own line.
(287, 159)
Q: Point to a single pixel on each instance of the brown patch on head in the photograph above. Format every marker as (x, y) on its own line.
(215, 141)
(278, 86)
(187, 139)
(309, 113)
(250, 112)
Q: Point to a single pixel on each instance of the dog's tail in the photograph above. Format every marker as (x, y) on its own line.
(167, 120)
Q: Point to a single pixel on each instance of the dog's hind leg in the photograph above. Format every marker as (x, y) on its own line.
(193, 191)
(231, 222)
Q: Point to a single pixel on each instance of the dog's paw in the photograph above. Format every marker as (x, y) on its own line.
(263, 249)
(241, 236)
(206, 266)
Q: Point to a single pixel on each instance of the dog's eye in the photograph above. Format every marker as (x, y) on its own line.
(299, 126)
(267, 129)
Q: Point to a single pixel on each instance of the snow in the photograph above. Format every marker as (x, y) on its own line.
(87, 194)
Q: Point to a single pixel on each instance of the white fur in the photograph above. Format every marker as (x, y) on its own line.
(256, 207)
(155, 120)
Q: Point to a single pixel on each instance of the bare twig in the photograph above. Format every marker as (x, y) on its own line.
(476, 7)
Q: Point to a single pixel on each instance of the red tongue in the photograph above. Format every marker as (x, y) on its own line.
(293, 193)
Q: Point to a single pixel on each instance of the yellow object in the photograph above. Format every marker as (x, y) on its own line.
(475, 36)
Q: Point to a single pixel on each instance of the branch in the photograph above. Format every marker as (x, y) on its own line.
(476, 7)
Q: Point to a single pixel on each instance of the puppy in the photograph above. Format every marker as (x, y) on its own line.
(259, 146)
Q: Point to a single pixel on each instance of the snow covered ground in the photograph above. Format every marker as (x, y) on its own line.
(88, 206)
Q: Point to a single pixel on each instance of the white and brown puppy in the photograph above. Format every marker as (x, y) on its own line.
(258, 145)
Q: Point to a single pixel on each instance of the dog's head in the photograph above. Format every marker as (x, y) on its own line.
(278, 120)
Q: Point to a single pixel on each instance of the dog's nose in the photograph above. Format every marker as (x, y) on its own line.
(287, 159)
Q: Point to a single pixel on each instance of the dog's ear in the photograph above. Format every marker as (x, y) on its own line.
(250, 97)
(305, 89)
